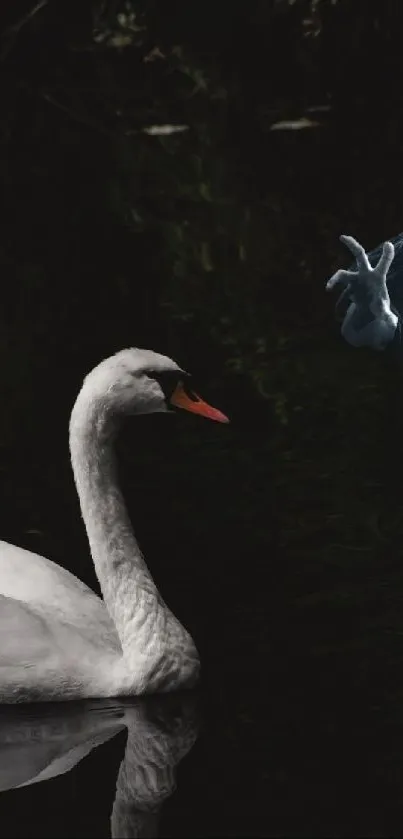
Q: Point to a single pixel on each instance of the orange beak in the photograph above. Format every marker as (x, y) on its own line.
(180, 399)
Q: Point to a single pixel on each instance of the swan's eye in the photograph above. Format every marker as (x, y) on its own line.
(168, 381)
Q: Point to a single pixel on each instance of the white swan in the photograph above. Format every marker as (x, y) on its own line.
(58, 640)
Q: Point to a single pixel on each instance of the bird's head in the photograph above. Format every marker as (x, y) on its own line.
(137, 381)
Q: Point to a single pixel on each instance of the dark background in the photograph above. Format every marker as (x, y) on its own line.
(276, 539)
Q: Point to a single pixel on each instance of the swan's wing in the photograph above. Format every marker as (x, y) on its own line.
(55, 593)
(30, 656)
(25, 637)
(46, 659)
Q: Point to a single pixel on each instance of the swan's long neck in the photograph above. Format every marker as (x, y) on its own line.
(128, 589)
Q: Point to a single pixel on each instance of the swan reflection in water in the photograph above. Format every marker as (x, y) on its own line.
(38, 743)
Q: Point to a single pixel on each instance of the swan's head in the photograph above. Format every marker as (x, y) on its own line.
(144, 382)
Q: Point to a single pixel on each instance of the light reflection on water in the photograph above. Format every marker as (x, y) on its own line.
(41, 743)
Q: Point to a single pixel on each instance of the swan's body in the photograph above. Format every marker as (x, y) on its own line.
(58, 640)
